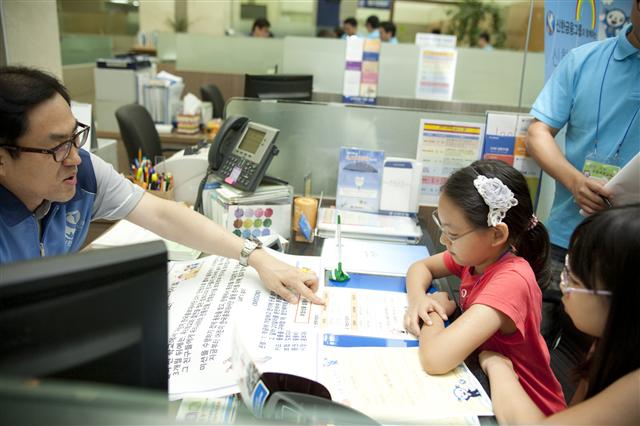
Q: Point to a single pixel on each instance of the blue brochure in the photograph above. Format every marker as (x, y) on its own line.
(370, 282)
(359, 179)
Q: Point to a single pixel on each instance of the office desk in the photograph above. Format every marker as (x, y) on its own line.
(172, 138)
(450, 286)
(314, 249)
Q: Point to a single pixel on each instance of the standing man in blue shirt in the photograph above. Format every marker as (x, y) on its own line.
(51, 189)
(595, 92)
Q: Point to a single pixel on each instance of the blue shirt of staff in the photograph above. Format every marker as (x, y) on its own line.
(570, 97)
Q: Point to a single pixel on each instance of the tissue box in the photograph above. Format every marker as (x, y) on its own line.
(189, 124)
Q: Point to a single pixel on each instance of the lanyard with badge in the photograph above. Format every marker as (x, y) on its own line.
(596, 165)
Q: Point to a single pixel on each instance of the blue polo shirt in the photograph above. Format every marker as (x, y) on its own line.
(570, 97)
(375, 34)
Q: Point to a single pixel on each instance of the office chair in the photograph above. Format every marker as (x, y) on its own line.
(138, 131)
(211, 93)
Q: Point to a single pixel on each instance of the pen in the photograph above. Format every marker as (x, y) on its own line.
(606, 201)
(339, 240)
(338, 274)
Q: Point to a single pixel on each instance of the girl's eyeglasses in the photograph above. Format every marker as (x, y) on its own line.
(449, 237)
(564, 283)
(59, 152)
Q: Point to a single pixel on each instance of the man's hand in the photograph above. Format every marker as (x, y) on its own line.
(589, 193)
(420, 309)
(285, 280)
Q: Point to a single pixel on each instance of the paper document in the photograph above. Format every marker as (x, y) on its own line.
(372, 257)
(443, 148)
(625, 185)
(205, 297)
(369, 226)
(389, 385)
(216, 411)
(355, 345)
(126, 233)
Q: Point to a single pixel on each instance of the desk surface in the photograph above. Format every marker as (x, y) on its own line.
(172, 138)
(315, 248)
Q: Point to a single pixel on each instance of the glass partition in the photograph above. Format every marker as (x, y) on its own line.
(312, 133)
(234, 55)
(286, 17)
(167, 49)
(95, 29)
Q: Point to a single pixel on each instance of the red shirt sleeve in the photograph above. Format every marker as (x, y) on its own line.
(508, 292)
(451, 265)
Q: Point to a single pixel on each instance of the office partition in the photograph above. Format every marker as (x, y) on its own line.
(312, 133)
(482, 76)
(237, 55)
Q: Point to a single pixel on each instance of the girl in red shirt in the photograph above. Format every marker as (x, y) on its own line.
(601, 291)
(499, 250)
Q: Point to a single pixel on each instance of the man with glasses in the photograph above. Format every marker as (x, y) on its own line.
(51, 189)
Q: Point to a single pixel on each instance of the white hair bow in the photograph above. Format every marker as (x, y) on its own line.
(497, 196)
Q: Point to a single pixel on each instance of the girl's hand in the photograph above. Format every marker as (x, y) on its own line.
(488, 359)
(442, 297)
(420, 310)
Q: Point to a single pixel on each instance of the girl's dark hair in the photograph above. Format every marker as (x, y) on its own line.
(603, 254)
(530, 242)
(22, 89)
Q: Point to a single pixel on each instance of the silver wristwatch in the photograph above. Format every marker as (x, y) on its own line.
(250, 244)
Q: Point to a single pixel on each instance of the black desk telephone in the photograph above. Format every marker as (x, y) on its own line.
(242, 151)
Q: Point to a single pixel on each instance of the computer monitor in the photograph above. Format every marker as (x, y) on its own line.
(97, 316)
(279, 86)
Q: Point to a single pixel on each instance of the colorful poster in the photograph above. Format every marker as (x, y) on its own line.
(437, 41)
(359, 179)
(614, 15)
(436, 73)
(360, 85)
(444, 147)
(504, 140)
(568, 24)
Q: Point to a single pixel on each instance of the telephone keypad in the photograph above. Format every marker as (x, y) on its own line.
(247, 169)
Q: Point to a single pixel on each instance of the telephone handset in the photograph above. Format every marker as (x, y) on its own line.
(225, 139)
(242, 152)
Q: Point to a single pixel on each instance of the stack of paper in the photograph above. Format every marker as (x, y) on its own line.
(126, 233)
(369, 226)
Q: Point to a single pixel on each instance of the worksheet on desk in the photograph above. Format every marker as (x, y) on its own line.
(389, 385)
(350, 344)
(205, 297)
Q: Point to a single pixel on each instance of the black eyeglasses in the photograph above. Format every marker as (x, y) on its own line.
(59, 152)
(449, 237)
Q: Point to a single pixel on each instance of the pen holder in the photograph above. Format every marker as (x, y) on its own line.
(167, 195)
(308, 207)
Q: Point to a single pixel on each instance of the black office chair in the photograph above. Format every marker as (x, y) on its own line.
(211, 93)
(138, 131)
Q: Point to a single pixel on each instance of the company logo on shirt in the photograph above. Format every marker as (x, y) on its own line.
(73, 218)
